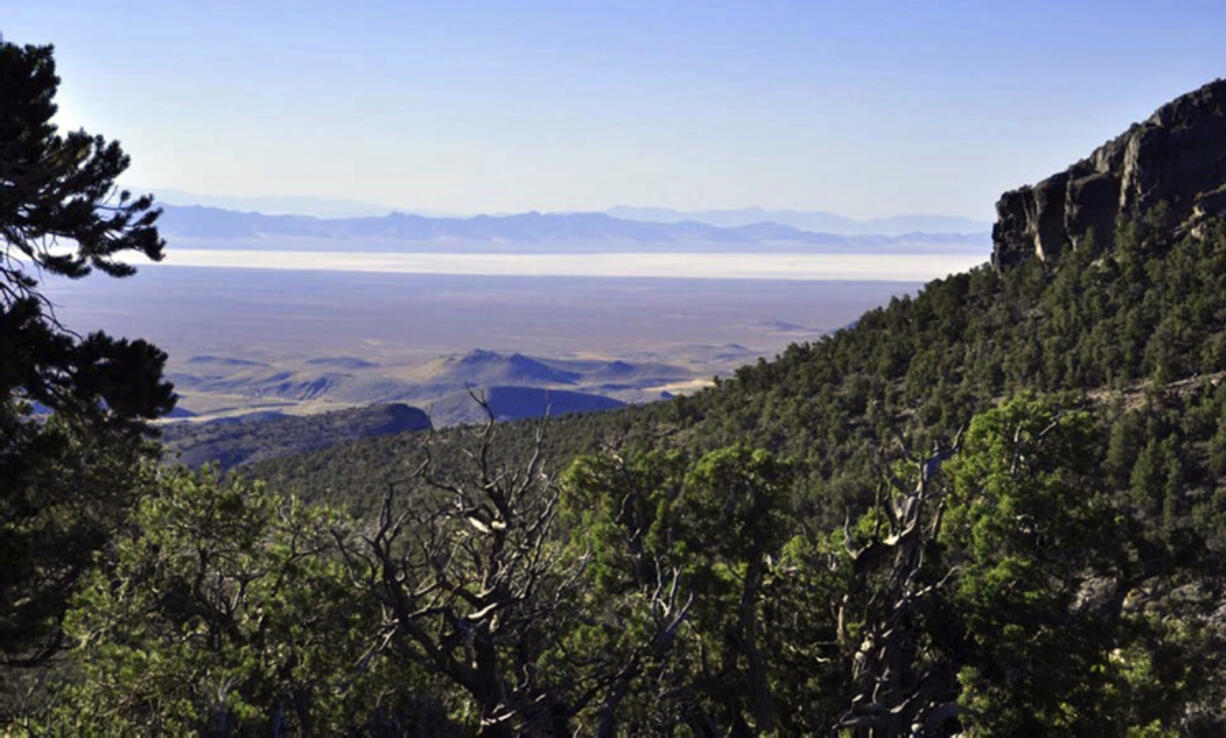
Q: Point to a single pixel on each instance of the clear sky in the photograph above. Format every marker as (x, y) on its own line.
(862, 108)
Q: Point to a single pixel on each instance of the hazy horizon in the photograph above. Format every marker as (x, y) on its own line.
(336, 207)
(863, 110)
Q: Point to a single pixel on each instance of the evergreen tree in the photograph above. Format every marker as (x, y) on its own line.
(223, 615)
(64, 479)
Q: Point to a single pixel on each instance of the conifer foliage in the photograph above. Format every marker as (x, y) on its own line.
(71, 407)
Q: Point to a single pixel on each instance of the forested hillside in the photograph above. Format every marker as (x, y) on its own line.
(1123, 333)
(996, 508)
(1121, 324)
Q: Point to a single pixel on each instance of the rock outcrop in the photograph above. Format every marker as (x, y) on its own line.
(1176, 157)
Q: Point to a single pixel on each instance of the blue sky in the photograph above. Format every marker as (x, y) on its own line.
(867, 108)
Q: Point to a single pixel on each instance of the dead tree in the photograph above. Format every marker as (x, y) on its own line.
(475, 587)
(894, 696)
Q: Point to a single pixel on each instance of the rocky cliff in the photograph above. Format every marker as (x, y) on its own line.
(1176, 157)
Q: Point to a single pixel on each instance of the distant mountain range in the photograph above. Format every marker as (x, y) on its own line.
(320, 207)
(806, 220)
(530, 232)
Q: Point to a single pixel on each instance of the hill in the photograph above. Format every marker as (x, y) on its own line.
(487, 367)
(224, 385)
(247, 439)
(819, 221)
(516, 403)
(515, 386)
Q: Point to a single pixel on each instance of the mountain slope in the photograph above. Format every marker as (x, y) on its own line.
(516, 403)
(260, 436)
(1083, 530)
(1152, 307)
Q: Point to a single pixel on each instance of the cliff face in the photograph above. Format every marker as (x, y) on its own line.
(1177, 156)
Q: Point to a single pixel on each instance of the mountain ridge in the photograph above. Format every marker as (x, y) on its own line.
(219, 228)
(806, 220)
(809, 220)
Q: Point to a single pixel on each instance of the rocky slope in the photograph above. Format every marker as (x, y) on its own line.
(1177, 157)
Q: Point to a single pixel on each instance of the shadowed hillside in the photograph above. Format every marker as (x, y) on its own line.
(516, 403)
(261, 436)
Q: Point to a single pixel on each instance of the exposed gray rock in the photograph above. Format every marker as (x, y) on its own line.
(1176, 157)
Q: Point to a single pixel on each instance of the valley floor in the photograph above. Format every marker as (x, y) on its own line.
(295, 342)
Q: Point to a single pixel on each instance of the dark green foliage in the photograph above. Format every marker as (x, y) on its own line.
(65, 482)
(1128, 499)
(62, 496)
(1042, 570)
(224, 615)
(707, 530)
(59, 215)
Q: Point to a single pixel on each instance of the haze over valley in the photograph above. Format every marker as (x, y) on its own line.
(268, 315)
(295, 341)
